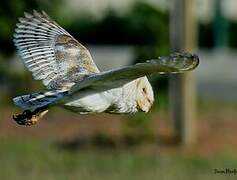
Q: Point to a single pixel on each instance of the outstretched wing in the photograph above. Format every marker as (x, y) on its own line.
(176, 63)
(50, 52)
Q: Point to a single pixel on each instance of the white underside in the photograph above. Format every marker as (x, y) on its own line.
(93, 103)
(116, 100)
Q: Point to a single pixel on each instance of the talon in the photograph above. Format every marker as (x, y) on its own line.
(29, 118)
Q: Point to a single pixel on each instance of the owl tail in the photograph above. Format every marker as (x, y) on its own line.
(39, 99)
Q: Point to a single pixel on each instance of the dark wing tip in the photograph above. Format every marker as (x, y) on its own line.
(193, 59)
(185, 61)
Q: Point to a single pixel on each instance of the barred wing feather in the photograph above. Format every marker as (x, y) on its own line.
(50, 52)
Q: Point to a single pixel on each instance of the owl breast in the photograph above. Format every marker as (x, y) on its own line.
(95, 103)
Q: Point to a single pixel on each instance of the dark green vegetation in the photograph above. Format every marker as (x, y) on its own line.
(26, 159)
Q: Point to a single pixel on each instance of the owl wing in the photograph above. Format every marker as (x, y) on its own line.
(50, 52)
(175, 63)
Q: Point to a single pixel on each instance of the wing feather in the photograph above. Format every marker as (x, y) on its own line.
(50, 52)
(175, 63)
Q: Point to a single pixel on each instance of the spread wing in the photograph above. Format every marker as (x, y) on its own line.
(175, 63)
(50, 52)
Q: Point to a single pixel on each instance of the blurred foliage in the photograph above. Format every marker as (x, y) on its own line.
(26, 159)
(206, 34)
(142, 25)
(232, 34)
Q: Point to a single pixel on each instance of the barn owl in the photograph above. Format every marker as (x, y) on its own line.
(72, 78)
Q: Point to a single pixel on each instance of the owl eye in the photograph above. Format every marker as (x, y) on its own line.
(144, 90)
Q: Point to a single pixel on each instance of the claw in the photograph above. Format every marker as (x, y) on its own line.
(29, 118)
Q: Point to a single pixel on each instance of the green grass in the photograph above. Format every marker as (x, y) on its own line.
(38, 159)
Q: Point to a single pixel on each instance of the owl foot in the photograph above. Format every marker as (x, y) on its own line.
(28, 118)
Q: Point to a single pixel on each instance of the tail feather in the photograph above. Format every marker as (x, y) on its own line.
(39, 99)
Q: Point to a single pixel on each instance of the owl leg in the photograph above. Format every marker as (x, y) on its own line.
(29, 118)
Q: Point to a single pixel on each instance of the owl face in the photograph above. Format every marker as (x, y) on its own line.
(145, 95)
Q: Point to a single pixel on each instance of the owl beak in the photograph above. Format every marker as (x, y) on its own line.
(145, 107)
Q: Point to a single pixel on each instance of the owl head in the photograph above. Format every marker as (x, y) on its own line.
(144, 94)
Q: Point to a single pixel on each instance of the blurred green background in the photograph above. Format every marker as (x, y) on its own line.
(65, 145)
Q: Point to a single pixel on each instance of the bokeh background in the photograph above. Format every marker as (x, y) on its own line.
(66, 145)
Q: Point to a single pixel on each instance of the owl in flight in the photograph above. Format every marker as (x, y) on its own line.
(73, 80)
